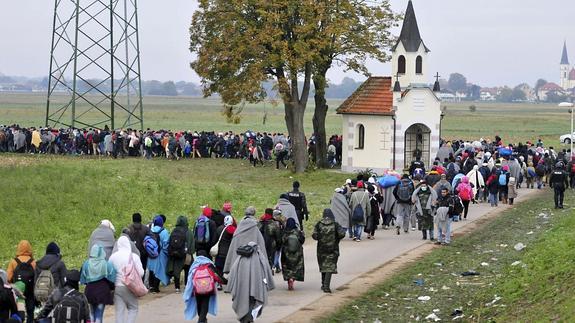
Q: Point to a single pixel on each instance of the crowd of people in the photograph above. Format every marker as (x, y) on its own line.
(257, 147)
(218, 252)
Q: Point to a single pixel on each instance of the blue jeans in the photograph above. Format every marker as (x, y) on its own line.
(493, 199)
(357, 230)
(97, 313)
(447, 238)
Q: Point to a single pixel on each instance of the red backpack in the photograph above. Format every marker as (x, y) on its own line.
(465, 192)
(204, 282)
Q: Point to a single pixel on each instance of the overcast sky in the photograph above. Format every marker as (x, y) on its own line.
(491, 42)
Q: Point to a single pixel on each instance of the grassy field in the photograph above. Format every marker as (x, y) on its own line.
(513, 122)
(532, 285)
(63, 199)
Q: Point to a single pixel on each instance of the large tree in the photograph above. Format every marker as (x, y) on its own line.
(242, 43)
(348, 33)
(457, 82)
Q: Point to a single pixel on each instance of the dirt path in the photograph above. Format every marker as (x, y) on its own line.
(361, 266)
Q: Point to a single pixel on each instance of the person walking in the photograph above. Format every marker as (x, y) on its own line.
(70, 290)
(444, 216)
(249, 282)
(99, 276)
(328, 233)
(493, 188)
(226, 234)
(297, 199)
(50, 273)
(424, 200)
(272, 233)
(559, 181)
(8, 303)
(205, 236)
(246, 232)
(158, 266)
(22, 268)
(360, 208)
(292, 254)
(512, 190)
(340, 209)
(181, 247)
(465, 192)
(403, 192)
(372, 219)
(200, 294)
(138, 232)
(125, 302)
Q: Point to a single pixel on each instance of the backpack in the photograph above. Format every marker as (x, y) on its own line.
(540, 170)
(202, 230)
(457, 205)
(404, 191)
(264, 230)
(24, 272)
(531, 172)
(152, 244)
(465, 192)
(44, 285)
(292, 244)
(71, 308)
(203, 280)
(503, 179)
(177, 244)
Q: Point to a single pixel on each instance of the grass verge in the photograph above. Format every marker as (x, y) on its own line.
(62, 199)
(519, 286)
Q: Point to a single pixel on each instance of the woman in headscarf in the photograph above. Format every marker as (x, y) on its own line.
(24, 255)
(157, 266)
(125, 302)
(99, 277)
(249, 282)
(176, 263)
(292, 253)
(197, 304)
(104, 236)
(226, 235)
(246, 232)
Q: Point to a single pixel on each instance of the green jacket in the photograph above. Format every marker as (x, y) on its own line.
(328, 233)
(292, 261)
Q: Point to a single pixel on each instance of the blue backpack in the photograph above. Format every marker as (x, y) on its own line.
(152, 244)
(202, 230)
(503, 179)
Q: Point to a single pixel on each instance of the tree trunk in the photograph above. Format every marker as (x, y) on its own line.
(319, 116)
(294, 121)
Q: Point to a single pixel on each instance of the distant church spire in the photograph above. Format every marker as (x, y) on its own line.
(564, 56)
(410, 37)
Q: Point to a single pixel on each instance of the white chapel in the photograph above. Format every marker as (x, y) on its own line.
(389, 121)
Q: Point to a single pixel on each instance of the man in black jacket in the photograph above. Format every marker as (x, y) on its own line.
(297, 199)
(138, 232)
(559, 180)
(70, 289)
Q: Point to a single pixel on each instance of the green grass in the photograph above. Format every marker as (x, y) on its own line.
(63, 199)
(540, 291)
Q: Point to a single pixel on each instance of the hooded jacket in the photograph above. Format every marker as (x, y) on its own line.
(104, 236)
(476, 178)
(121, 258)
(53, 261)
(24, 254)
(246, 232)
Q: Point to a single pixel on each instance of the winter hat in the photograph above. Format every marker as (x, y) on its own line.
(227, 207)
(207, 211)
(370, 188)
(250, 211)
(296, 184)
(360, 184)
(269, 211)
(328, 213)
(137, 218)
(72, 279)
(108, 224)
(52, 249)
(158, 221)
(505, 168)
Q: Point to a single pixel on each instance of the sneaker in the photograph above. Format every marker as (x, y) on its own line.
(412, 228)
(358, 239)
(437, 243)
(397, 230)
(177, 290)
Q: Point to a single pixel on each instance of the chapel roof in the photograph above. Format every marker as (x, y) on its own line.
(373, 97)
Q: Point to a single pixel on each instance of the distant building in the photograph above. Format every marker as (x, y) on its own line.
(567, 78)
(387, 127)
(549, 87)
(489, 94)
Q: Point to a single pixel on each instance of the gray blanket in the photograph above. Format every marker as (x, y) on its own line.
(103, 236)
(340, 210)
(249, 282)
(246, 232)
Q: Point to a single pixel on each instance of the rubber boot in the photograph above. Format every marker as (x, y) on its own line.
(323, 281)
(327, 282)
(424, 234)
